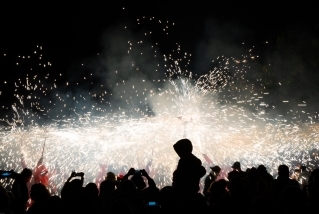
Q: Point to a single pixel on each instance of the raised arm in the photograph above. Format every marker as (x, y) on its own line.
(130, 172)
(150, 181)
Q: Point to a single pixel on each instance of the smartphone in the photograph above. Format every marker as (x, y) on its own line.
(5, 174)
(137, 172)
(152, 204)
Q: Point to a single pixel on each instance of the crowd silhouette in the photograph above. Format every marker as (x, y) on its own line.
(252, 191)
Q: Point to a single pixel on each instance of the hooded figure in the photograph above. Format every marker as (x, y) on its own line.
(189, 169)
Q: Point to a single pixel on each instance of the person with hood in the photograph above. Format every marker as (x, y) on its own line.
(189, 170)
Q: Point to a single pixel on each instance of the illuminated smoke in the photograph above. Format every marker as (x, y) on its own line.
(139, 106)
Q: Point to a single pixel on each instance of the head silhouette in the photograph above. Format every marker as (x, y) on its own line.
(236, 166)
(39, 192)
(110, 176)
(93, 190)
(283, 171)
(253, 174)
(127, 188)
(216, 169)
(26, 174)
(183, 147)
(262, 170)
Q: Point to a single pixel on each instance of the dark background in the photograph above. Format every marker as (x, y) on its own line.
(72, 32)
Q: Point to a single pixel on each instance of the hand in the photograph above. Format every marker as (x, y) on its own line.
(81, 174)
(131, 171)
(144, 173)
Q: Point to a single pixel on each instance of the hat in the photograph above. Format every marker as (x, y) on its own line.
(236, 165)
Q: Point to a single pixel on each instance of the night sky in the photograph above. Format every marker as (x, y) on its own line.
(73, 34)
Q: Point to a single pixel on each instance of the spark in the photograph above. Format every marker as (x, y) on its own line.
(145, 121)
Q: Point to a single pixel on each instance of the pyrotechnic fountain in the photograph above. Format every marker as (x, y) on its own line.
(219, 124)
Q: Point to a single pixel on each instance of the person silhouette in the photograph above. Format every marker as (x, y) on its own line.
(189, 170)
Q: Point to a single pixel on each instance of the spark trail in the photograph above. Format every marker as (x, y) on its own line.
(137, 120)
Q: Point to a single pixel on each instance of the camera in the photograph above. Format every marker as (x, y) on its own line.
(79, 174)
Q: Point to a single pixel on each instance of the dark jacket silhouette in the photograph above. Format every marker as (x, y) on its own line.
(282, 182)
(189, 169)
